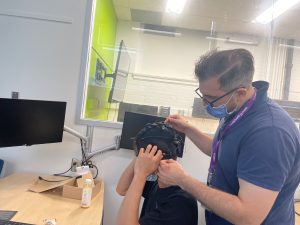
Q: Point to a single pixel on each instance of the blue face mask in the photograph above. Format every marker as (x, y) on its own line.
(220, 111)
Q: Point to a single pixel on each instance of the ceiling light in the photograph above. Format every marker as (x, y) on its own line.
(216, 38)
(156, 31)
(229, 40)
(289, 46)
(175, 6)
(117, 50)
(274, 11)
(241, 42)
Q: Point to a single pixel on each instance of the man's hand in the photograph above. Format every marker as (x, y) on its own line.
(170, 172)
(147, 161)
(178, 122)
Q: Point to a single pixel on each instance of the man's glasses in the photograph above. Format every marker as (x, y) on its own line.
(217, 99)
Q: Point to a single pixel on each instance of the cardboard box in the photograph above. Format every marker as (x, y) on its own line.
(42, 183)
(70, 190)
(80, 181)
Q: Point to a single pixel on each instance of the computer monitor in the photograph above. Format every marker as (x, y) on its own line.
(29, 122)
(120, 75)
(133, 123)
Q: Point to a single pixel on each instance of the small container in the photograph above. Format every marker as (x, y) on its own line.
(86, 194)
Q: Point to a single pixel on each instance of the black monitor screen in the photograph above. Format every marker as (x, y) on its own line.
(28, 122)
(133, 123)
(120, 75)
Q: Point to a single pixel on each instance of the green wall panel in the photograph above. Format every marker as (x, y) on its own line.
(103, 43)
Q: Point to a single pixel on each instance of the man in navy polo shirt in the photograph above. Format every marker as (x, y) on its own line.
(255, 153)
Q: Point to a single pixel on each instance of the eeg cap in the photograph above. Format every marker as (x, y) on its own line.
(163, 136)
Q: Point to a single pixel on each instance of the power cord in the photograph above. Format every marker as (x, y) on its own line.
(93, 166)
(82, 152)
(90, 164)
(83, 162)
(83, 156)
(41, 178)
(86, 161)
(61, 174)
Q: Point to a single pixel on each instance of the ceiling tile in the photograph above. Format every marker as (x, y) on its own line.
(124, 3)
(149, 17)
(123, 13)
(151, 5)
(229, 15)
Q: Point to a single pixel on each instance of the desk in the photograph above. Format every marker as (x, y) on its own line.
(34, 207)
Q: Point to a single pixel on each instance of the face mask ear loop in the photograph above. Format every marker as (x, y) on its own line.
(230, 98)
(227, 103)
(232, 111)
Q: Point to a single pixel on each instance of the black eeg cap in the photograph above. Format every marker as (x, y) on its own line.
(163, 136)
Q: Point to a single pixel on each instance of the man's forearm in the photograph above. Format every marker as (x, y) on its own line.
(129, 210)
(223, 204)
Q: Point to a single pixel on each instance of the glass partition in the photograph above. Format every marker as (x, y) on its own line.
(162, 47)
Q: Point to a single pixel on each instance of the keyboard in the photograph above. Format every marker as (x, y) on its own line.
(9, 222)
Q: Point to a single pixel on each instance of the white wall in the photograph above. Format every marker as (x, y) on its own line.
(40, 58)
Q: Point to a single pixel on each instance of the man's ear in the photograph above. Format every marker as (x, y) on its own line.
(240, 95)
(241, 92)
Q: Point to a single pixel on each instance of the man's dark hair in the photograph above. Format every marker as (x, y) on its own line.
(234, 68)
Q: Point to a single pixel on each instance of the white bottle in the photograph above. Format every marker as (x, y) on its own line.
(86, 194)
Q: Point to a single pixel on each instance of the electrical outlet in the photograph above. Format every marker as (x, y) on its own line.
(75, 163)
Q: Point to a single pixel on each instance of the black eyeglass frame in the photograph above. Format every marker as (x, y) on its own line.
(217, 99)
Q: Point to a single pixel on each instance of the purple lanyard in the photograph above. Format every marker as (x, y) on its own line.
(216, 143)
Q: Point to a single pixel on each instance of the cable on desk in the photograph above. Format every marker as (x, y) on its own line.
(96, 171)
(83, 161)
(60, 174)
(41, 178)
(86, 161)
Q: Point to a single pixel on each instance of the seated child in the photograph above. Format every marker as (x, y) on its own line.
(163, 205)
